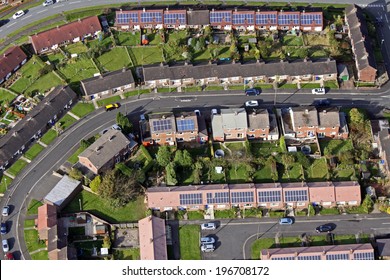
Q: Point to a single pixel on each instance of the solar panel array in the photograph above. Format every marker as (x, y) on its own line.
(270, 196)
(175, 18)
(191, 198)
(364, 256)
(309, 258)
(219, 17)
(242, 197)
(307, 19)
(296, 195)
(243, 19)
(287, 19)
(282, 258)
(337, 257)
(185, 125)
(162, 125)
(220, 197)
(124, 18)
(151, 17)
(264, 19)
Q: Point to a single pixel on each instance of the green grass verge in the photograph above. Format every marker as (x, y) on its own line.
(100, 207)
(41, 255)
(32, 240)
(34, 151)
(33, 207)
(17, 167)
(74, 158)
(4, 183)
(29, 223)
(189, 242)
(106, 101)
(127, 254)
(49, 136)
(67, 121)
(82, 109)
(195, 215)
(136, 92)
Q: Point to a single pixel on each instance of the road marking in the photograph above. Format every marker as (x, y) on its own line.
(42, 11)
(59, 6)
(9, 25)
(74, 2)
(385, 223)
(26, 17)
(386, 228)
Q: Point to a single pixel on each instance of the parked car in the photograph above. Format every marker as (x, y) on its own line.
(18, 14)
(207, 240)
(318, 91)
(3, 228)
(112, 106)
(252, 92)
(214, 111)
(5, 245)
(197, 112)
(324, 228)
(104, 131)
(116, 127)
(322, 102)
(207, 247)
(48, 2)
(5, 211)
(208, 226)
(9, 256)
(286, 221)
(252, 103)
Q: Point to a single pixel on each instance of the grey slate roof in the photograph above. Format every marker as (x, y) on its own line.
(258, 119)
(201, 17)
(305, 116)
(62, 190)
(384, 139)
(383, 247)
(105, 148)
(216, 124)
(248, 69)
(362, 48)
(234, 118)
(37, 119)
(329, 117)
(107, 81)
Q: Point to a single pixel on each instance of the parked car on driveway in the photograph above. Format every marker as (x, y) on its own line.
(5, 245)
(207, 240)
(252, 103)
(318, 91)
(18, 14)
(208, 226)
(286, 221)
(207, 247)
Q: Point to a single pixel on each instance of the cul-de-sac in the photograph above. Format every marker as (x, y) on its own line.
(194, 130)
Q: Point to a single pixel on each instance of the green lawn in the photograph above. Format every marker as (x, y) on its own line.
(78, 69)
(4, 183)
(34, 151)
(344, 174)
(238, 175)
(204, 55)
(127, 254)
(195, 215)
(29, 74)
(318, 170)
(128, 38)
(263, 175)
(17, 167)
(334, 147)
(82, 109)
(32, 240)
(189, 242)
(49, 136)
(74, 158)
(294, 173)
(211, 87)
(76, 48)
(133, 211)
(6, 96)
(66, 121)
(33, 207)
(291, 40)
(265, 149)
(106, 101)
(41, 255)
(310, 85)
(136, 92)
(115, 59)
(44, 83)
(154, 38)
(29, 223)
(146, 55)
(106, 43)
(54, 58)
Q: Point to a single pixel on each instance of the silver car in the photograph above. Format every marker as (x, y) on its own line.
(5, 245)
(208, 226)
(207, 240)
(207, 248)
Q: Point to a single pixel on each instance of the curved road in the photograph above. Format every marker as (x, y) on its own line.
(31, 182)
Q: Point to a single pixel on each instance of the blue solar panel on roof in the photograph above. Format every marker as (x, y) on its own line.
(151, 17)
(220, 197)
(175, 18)
(162, 125)
(262, 19)
(242, 18)
(242, 197)
(307, 19)
(191, 198)
(125, 18)
(218, 17)
(185, 125)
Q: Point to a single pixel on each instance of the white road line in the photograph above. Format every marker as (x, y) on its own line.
(385, 223)
(381, 228)
(9, 25)
(1, 30)
(74, 2)
(58, 6)
(42, 11)
(26, 17)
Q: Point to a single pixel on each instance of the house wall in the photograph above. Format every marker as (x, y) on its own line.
(302, 132)
(258, 134)
(367, 74)
(235, 134)
(187, 136)
(163, 138)
(87, 163)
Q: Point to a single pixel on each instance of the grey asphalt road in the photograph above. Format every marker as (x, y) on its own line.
(40, 12)
(234, 238)
(33, 181)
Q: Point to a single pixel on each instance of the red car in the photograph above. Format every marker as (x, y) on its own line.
(9, 256)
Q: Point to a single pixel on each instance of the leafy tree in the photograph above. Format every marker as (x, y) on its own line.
(163, 156)
(95, 183)
(186, 159)
(171, 174)
(197, 173)
(250, 170)
(214, 53)
(346, 157)
(124, 123)
(84, 144)
(367, 204)
(106, 242)
(288, 159)
(282, 144)
(356, 116)
(260, 161)
(124, 169)
(76, 174)
(271, 161)
(302, 159)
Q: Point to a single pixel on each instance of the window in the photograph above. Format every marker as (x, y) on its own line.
(168, 139)
(158, 140)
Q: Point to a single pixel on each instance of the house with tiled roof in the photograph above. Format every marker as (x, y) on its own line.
(12, 59)
(361, 44)
(66, 34)
(152, 238)
(111, 148)
(162, 128)
(35, 124)
(198, 18)
(262, 125)
(107, 84)
(47, 218)
(137, 19)
(230, 124)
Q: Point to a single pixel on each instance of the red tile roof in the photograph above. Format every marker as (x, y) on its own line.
(152, 238)
(67, 32)
(10, 59)
(47, 218)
